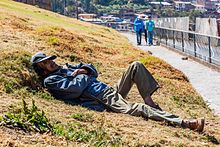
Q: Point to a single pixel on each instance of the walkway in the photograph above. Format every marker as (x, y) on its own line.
(205, 80)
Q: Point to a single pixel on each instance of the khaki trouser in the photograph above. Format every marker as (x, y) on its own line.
(146, 84)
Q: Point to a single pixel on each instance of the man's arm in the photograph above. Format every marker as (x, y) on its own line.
(79, 71)
(147, 25)
(67, 84)
(153, 25)
(90, 69)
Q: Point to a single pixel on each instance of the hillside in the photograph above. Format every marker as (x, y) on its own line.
(25, 30)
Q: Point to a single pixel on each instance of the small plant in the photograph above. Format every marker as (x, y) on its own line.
(177, 100)
(211, 138)
(28, 119)
(83, 117)
(96, 137)
(73, 58)
(8, 87)
(52, 40)
(45, 95)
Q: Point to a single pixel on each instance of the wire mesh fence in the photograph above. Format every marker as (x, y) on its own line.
(201, 46)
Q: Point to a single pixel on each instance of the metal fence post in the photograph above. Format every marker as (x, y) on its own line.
(166, 37)
(173, 40)
(194, 40)
(210, 54)
(160, 34)
(182, 42)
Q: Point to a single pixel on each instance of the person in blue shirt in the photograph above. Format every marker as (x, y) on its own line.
(139, 28)
(78, 83)
(150, 28)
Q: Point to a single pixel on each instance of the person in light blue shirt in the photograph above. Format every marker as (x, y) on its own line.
(138, 28)
(150, 28)
(73, 82)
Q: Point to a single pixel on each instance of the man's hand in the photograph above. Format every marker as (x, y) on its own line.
(79, 71)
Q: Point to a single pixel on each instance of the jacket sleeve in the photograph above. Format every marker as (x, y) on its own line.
(74, 66)
(91, 69)
(69, 84)
(135, 25)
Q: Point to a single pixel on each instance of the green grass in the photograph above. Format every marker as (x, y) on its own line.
(27, 119)
(96, 137)
(83, 117)
(53, 40)
(31, 119)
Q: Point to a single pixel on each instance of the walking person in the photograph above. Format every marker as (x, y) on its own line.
(138, 28)
(145, 29)
(150, 28)
(72, 82)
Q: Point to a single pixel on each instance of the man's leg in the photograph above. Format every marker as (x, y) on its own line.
(148, 35)
(145, 35)
(146, 84)
(140, 35)
(151, 37)
(137, 35)
(115, 102)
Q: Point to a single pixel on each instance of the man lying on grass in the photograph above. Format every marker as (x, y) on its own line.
(79, 84)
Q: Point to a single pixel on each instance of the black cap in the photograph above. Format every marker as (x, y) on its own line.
(39, 57)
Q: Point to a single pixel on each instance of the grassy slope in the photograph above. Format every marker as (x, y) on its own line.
(25, 30)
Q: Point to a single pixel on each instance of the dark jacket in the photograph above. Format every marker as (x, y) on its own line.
(62, 85)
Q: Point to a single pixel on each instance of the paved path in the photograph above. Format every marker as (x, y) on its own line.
(205, 80)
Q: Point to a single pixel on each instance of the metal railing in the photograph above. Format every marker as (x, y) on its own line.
(198, 45)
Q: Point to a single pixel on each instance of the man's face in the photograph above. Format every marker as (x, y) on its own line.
(48, 66)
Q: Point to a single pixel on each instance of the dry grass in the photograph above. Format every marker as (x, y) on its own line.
(22, 34)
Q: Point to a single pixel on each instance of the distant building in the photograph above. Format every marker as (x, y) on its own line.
(87, 16)
(211, 4)
(45, 4)
(90, 18)
(200, 7)
(185, 0)
(180, 5)
(200, 2)
(128, 14)
(162, 4)
(110, 18)
(120, 26)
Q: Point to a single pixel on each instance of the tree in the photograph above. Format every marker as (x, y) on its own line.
(168, 12)
(86, 5)
(104, 2)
